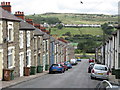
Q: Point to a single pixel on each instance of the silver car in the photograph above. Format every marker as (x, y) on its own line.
(100, 71)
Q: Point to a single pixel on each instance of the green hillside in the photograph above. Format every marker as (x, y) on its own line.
(71, 18)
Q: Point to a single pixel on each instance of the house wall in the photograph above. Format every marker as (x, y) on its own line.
(14, 43)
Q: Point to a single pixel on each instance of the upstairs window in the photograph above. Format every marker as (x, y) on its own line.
(28, 38)
(21, 39)
(10, 31)
(1, 32)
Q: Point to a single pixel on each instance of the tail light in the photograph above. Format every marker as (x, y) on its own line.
(93, 71)
(107, 73)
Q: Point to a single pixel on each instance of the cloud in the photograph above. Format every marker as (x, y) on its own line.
(65, 6)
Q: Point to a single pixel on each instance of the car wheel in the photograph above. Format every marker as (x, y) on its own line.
(92, 77)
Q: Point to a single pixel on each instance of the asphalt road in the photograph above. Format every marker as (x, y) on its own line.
(77, 77)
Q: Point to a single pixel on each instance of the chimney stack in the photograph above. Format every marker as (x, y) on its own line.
(6, 6)
(20, 15)
(30, 21)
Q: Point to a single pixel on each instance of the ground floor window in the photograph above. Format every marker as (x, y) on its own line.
(10, 57)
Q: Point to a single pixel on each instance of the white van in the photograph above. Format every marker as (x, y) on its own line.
(73, 61)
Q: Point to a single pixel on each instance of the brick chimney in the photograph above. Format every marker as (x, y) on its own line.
(6, 6)
(30, 21)
(20, 15)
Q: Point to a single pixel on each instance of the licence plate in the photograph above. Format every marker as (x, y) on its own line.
(100, 73)
(54, 70)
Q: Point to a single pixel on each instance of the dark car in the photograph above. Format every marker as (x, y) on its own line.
(68, 64)
(90, 67)
(106, 85)
(65, 66)
(56, 68)
(79, 60)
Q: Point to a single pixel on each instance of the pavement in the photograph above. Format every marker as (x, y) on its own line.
(113, 79)
(18, 80)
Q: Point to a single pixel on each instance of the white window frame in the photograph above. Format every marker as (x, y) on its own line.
(10, 28)
(1, 32)
(29, 58)
(11, 52)
(28, 38)
(44, 46)
(21, 39)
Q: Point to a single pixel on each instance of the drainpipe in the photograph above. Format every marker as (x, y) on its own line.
(26, 47)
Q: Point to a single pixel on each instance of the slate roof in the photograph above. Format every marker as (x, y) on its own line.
(26, 26)
(38, 32)
(52, 39)
(56, 41)
(46, 36)
(7, 16)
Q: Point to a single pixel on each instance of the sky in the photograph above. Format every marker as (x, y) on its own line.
(109, 7)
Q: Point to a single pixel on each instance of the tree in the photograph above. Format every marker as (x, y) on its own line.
(59, 26)
(107, 29)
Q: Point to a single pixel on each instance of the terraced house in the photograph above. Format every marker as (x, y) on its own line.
(112, 53)
(9, 41)
(24, 46)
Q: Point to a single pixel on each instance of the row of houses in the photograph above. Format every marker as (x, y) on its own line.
(109, 52)
(25, 44)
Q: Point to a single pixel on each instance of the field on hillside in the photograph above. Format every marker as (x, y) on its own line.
(74, 31)
(70, 18)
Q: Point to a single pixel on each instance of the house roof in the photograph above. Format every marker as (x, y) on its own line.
(46, 36)
(26, 26)
(7, 15)
(52, 39)
(56, 41)
(38, 32)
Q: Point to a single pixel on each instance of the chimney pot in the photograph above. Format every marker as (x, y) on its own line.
(8, 3)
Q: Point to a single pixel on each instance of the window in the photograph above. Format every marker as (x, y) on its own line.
(10, 57)
(10, 31)
(1, 39)
(21, 39)
(35, 43)
(43, 45)
(28, 58)
(28, 38)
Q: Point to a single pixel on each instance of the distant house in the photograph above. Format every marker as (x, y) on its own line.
(38, 47)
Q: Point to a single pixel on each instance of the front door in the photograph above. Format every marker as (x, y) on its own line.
(21, 64)
(44, 62)
(1, 59)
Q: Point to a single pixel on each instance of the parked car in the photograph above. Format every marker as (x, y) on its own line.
(100, 71)
(90, 67)
(79, 60)
(73, 61)
(56, 68)
(68, 65)
(91, 60)
(104, 85)
(65, 66)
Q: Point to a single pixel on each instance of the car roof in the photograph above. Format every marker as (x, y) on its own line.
(100, 65)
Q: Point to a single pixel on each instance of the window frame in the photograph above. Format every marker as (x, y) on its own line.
(1, 32)
(10, 31)
(21, 39)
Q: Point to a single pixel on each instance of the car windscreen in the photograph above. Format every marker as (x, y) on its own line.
(101, 68)
(55, 65)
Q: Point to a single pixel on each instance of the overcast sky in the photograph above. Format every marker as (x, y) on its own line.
(65, 6)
